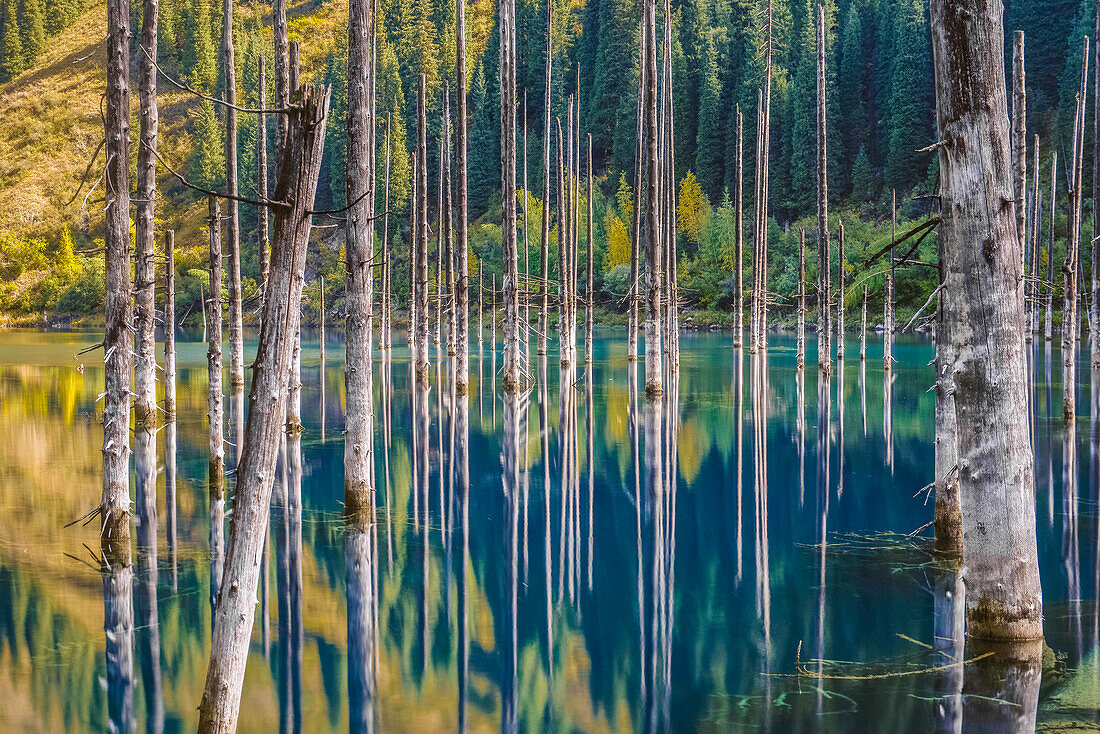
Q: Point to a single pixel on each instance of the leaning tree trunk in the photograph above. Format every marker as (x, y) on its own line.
(359, 279)
(544, 245)
(421, 272)
(170, 326)
(236, 326)
(739, 234)
(824, 256)
(653, 377)
(145, 363)
(114, 506)
(509, 238)
(996, 474)
(299, 169)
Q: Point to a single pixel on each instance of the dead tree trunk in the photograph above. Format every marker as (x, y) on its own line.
(948, 510)
(863, 329)
(840, 297)
(996, 479)
(1073, 247)
(800, 339)
(216, 444)
(299, 169)
(282, 72)
(824, 256)
(739, 234)
(653, 377)
(509, 243)
(480, 304)
(448, 231)
(359, 279)
(589, 293)
(888, 294)
(672, 332)
(1094, 354)
(170, 326)
(1019, 140)
(261, 179)
(421, 355)
(544, 246)
(1035, 244)
(1048, 329)
(114, 506)
(563, 247)
(632, 294)
(526, 245)
(236, 325)
(387, 269)
(294, 397)
(145, 363)
(440, 292)
(414, 243)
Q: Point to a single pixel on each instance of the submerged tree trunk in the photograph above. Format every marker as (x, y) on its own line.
(509, 242)
(170, 326)
(1094, 313)
(863, 329)
(145, 363)
(948, 510)
(824, 256)
(544, 245)
(236, 326)
(800, 339)
(1048, 329)
(632, 295)
(299, 170)
(114, 507)
(653, 376)
(888, 294)
(421, 273)
(589, 294)
(387, 266)
(448, 231)
(1073, 248)
(739, 234)
(996, 475)
(214, 410)
(840, 297)
(359, 278)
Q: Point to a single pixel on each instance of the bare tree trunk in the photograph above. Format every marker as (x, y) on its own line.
(653, 376)
(824, 256)
(145, 363)
(1034, 235)
(948, 510)
(321, 315)
(863, 329)
(299, 170)
(800, 339)
(282, 72)
(440, 293)
(1094, 354)
(589, 293)
(421, 288)
(544, 259)
(996, 479)
(480, 303)
(509, 243)
(526, 245)
(114, 507)
(1073, 248)
(888, 294)
(739, 235)
(414, 244)
(387, 267)
(236, 325)
(261, 179)
(216, 443)
(170, 326)
(448, 231)
(765, 184)
(840, 298)
(359, 279)
(294, 397)
(754, 306)
(1049, 326)
(1019, 140)
(633, 297)
(563, 256)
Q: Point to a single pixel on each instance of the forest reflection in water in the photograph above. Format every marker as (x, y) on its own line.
(735, 555)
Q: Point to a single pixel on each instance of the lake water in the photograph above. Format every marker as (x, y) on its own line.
(736, 558)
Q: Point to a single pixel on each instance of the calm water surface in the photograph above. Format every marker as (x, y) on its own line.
(737, 557)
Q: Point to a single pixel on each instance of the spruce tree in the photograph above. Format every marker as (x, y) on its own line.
(910, 122)
(208, 160)
(11, 46)
(850, 87)
(802, 119)
(710, 149)
(32, 34)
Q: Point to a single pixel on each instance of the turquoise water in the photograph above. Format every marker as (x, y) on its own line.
(738, 558)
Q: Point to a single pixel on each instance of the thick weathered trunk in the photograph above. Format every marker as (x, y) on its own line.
(948, 510)
(800, 338)
(236, 325)
(170, 326)
(739, 234)
(214, 411)
(544, 245)
(509, 241)
(261, 178)
(824, 256)
(359, 277)
(653, 376)
(145, 363)
(118, 628)
(299, 170)
(420, 358)
(114, 506)
(589, 293)
(996, 475)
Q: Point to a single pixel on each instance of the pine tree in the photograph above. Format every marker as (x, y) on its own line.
(59, 15)
(11, 46)
(710, 148)
(336, 149)
(484, 132)
(613, 98)
(850, 87)
(199, 53)
(32, 34)
(863, 178)
(208, 160)
(911, 97)
(802, 119)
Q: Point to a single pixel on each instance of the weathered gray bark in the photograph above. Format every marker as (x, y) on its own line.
(840, 297)
(214, 411)
(114, 506)
(739, 234)
(800, 338)
(1073, 247)
(863, 329)
(996, 479)
(414, 227)
(948, 510)
(282, 72)
(888, 294)
(589, 293)
(757, 264)
(824, 256)
(526, 245)
(236, 325)
(440, 290)
(1048, 329)
(359, 278)
(672, 332)
(448, 226)
(633, 296)
(145, 363)
(299, 170)
(653, 376)
(294, 388)
(170, 326)
(544, 246)
(360, 562)
(1019, 141)
(118, 628)
(387, 269)
(421, 284)
(480, 304)
(509, 240)
(1094, 313)
(261, 178)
